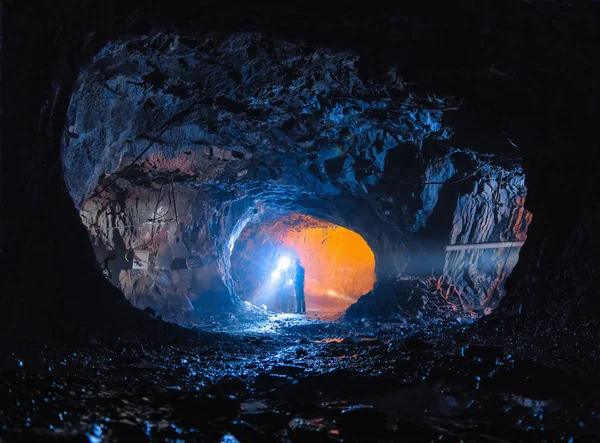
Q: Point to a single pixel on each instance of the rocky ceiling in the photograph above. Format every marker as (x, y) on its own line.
(215, 107)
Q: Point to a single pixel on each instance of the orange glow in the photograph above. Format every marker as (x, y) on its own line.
(339, 264)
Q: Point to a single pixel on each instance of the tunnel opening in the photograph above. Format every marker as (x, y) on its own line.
(339, 265)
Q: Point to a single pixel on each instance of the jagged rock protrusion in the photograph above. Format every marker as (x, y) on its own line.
(493, 212)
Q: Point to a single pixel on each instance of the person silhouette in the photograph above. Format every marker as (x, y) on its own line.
(299, 287)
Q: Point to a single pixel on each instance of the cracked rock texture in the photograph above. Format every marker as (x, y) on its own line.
(174, 144)
(245, 105)
(493, 212)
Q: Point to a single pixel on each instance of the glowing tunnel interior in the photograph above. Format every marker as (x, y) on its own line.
(339, 264)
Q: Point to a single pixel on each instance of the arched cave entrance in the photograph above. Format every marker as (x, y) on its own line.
(339, 264)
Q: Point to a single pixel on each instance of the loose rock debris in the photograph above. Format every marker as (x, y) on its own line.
(305, 380)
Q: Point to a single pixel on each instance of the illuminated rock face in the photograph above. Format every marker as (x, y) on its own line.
(493, 212)
(170, 149)
(339, 264)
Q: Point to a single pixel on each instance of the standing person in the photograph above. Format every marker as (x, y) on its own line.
(299, 286)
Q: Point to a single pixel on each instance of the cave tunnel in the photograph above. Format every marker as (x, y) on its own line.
(339, 265)
(174, 172)
(433, 167)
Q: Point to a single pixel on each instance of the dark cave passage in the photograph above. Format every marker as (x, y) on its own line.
(339, 264)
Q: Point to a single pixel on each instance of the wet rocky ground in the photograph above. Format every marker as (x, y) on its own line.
(289, 378)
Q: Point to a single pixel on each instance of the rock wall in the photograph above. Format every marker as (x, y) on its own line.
(190, 234)
(244, 121)
(492, 212)
(176, 226)
(236, 123)
(61, 296)
(438, 171)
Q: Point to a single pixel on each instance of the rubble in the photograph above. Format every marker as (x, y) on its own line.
(270, 388)
(413, 300)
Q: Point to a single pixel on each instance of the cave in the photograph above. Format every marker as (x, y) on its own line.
(181, 198)
(433, 168)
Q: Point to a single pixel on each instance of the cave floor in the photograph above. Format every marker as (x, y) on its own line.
(294, 378)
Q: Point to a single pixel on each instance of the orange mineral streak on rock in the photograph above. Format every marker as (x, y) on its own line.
(522, 220)
(339, 264)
